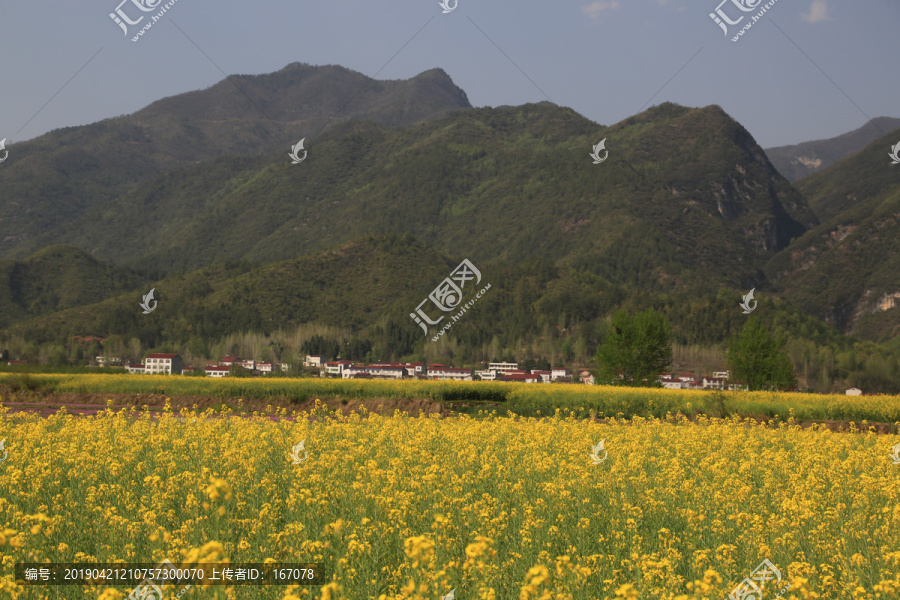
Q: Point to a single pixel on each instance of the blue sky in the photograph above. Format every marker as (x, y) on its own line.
(605, 59)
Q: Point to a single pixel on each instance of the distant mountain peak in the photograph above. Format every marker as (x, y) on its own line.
(799, 160)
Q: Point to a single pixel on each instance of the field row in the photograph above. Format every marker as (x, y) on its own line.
(520, 398)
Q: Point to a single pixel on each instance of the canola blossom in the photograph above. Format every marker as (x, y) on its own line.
(399, 507)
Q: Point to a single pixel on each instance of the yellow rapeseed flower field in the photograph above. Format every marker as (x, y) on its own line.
(497, 508)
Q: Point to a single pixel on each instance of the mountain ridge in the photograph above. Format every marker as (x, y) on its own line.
(797, 161)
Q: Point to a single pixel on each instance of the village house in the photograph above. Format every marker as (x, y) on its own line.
(218, 371)
(586, 377)
(378, 370)
(520, 377)
(135, 368)
(336, 369)
(265, 367)
(229, 360)
(503, 366)
(543, 376)
(248, 364)
(670, 383)
(854, 392)
(314, 360)
(442, 372)
(157, 364)
(487, 375)
(713, 383)
(560, 373)
(415, 369)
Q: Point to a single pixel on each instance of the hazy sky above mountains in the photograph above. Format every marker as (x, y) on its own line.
(606, 59)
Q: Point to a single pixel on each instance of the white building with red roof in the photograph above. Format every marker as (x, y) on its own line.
(414, 369)
(520, 377)
(377, 370)
(218, 371)
(543, 376)
(442, 372)
(337, 368)
(670, 383)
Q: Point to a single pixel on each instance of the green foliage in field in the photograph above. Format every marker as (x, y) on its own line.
(636, 349)
(755, 358)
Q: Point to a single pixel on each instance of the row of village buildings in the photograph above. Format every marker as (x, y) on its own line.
(345, 369)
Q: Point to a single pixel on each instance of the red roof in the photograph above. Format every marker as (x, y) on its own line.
(451, 370)
(217, 368)
(161, 355)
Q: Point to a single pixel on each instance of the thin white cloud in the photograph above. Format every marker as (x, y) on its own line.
(818, 11)
(594, 9)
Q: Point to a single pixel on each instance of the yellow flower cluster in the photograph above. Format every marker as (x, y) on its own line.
(496, 508)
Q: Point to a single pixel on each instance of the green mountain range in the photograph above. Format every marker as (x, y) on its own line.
(847, 270)
(504, 184)
(196, 197)
(55, 179)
